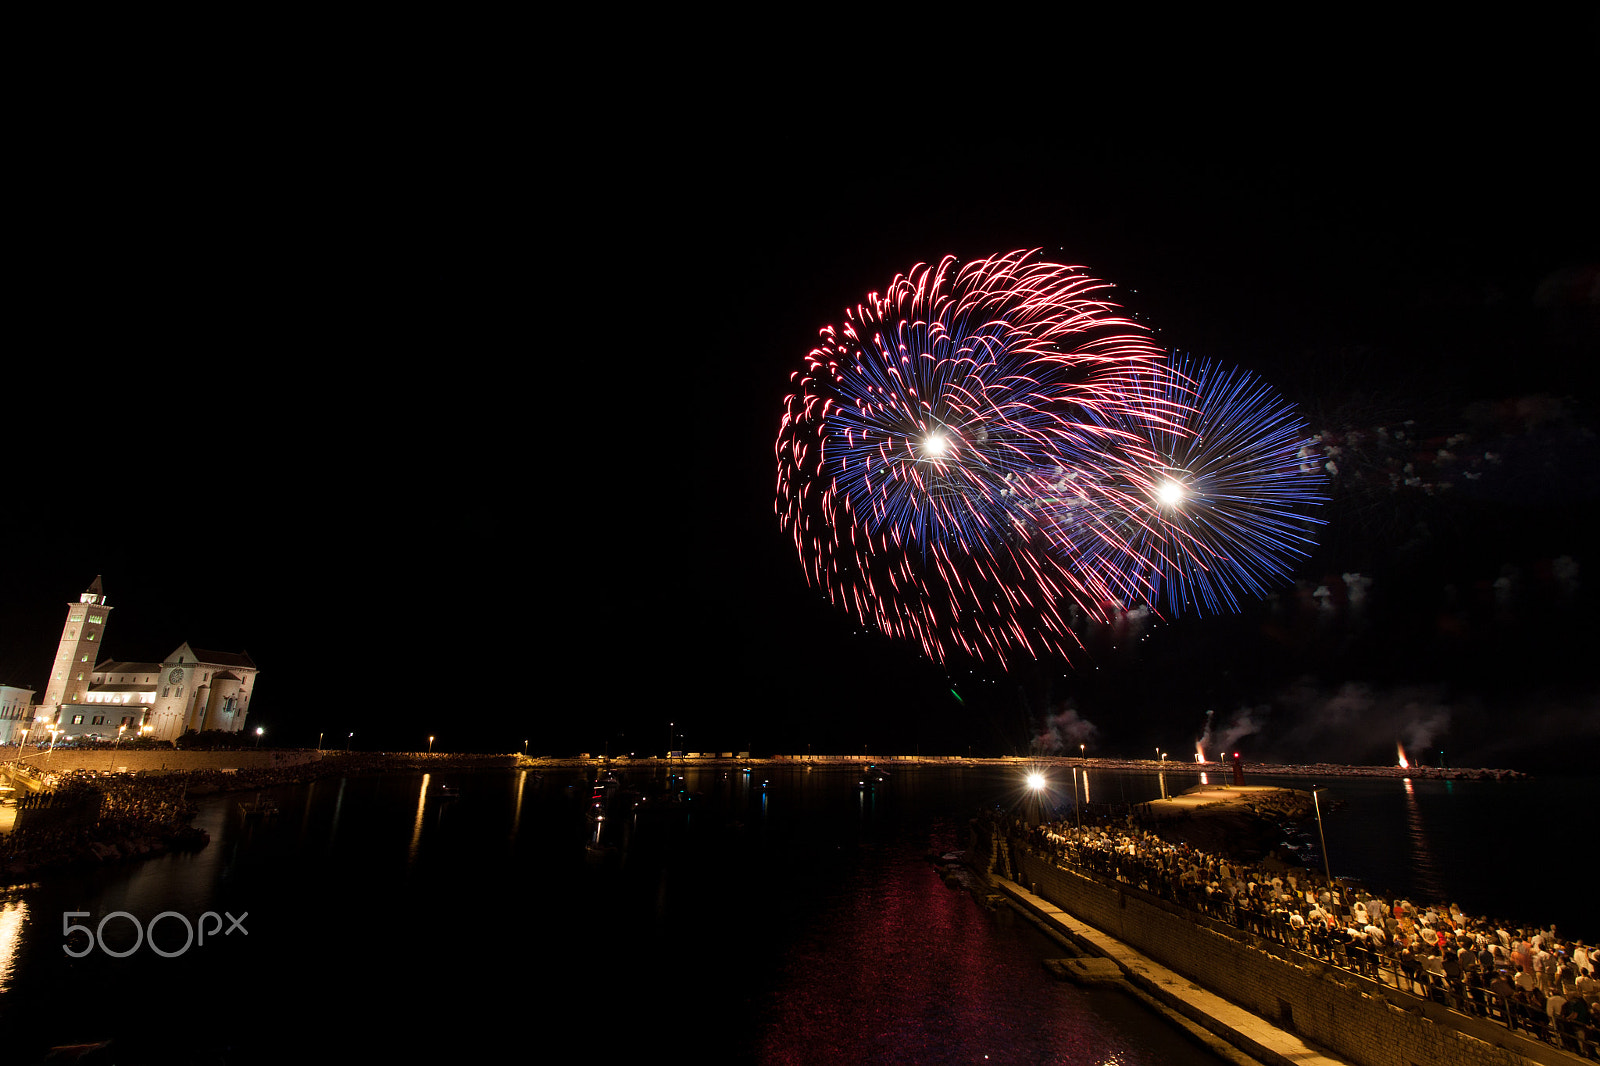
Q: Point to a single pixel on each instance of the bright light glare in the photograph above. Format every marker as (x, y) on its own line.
(1170, 493)
(933, 446)
(1036, 781)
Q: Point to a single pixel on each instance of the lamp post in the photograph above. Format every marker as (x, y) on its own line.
(430, 745)
(1327, 867)
(347, 743)
(319, 740)
(259, 731)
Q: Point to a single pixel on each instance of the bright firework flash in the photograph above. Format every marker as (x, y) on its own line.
(1227, 509)
(925, 431)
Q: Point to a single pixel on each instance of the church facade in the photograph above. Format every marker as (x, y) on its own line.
(192, 688)
(16, 712)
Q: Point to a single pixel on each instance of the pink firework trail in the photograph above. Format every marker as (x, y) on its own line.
(951, 451)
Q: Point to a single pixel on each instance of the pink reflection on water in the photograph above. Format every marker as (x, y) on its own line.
(906, 970)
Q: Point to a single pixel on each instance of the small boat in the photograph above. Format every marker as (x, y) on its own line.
(447, 792)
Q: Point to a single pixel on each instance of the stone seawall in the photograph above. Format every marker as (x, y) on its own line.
(1351, 1017)
(134, 761)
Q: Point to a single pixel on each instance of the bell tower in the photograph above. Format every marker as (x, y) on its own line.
(77, 653)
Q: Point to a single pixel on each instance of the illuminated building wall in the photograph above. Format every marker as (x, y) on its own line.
(78, 650)
(192, 688)
(16, 708)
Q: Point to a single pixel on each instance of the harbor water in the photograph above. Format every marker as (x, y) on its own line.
(782, 916)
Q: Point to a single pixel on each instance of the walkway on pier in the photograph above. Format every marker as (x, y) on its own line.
(1251, 1034)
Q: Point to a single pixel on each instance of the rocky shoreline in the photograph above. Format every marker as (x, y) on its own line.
(27, 863)
(84, 820)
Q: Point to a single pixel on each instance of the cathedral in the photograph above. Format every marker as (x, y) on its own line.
(190, 689)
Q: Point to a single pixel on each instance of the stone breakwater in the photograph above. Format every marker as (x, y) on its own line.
(31, 859)
(73, 817)
(1437, 773)
(76, 823)
(1146, 766)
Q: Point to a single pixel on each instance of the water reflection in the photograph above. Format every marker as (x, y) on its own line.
(416, 826)
(13, 916)
(183, 879)
(516, 807)
(1426, 870)
(338, 808)
(305, 815)
(822, 895)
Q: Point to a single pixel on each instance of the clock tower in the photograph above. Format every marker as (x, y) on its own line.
(73, 668)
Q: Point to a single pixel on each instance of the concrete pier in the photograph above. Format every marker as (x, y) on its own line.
(1255, 1037)
(1274, 1005)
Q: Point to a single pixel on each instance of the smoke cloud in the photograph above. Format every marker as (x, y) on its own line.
(1351, 723)
(1065, 730)
(1244, 722)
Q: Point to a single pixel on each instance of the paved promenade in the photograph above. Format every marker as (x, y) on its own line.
(1256, 1037)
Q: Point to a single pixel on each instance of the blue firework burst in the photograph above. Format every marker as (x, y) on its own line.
(1230, 503)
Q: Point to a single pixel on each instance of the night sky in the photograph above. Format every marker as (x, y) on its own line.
(477, 441)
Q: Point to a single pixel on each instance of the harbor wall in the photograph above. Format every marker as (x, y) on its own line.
(1346, 1014)
(135, 761)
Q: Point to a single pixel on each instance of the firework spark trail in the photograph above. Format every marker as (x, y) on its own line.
(1227, 507)
(973, 457)
(925, 431)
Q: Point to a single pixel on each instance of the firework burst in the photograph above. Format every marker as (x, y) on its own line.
(1229, 505)
(928, 454)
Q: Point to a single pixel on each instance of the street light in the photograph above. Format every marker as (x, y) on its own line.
(1036, 783)
(259, 731)
(1327, 867)
(430, 745)
(319, 739)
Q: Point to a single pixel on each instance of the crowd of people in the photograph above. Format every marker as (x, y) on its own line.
(1527, 979)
